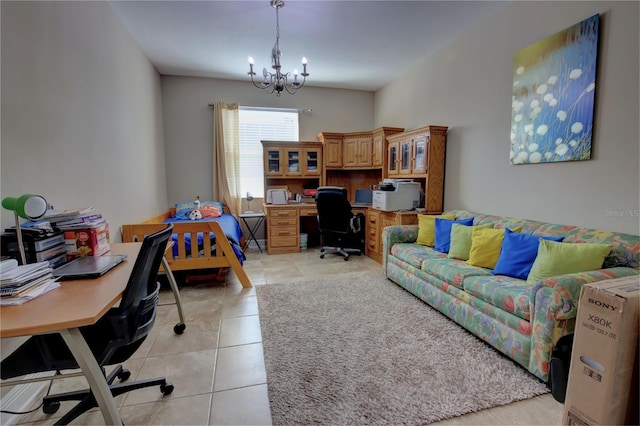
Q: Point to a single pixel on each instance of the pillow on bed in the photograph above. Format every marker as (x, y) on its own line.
(207, 209)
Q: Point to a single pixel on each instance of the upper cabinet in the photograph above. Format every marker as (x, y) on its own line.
(415, 152)
(356, 150)
(292, 159)
(332, 149)
(420, 154)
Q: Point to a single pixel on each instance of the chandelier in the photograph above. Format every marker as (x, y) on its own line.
(278, 81)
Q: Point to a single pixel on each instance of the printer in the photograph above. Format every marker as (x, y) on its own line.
(396, 194)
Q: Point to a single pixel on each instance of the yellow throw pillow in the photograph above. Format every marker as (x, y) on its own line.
(486, 244)
(461, 240)
(427, 228)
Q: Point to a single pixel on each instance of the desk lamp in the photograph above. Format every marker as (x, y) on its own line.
(29, 207)
(249, 200)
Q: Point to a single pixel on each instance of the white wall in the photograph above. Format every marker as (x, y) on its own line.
(81, 112)
(188, 122)
(467, 86)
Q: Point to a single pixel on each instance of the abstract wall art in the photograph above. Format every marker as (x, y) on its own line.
(552, 104)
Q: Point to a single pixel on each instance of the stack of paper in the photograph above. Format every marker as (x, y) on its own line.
(20, 283)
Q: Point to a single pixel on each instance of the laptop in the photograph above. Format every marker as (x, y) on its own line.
(88, 266)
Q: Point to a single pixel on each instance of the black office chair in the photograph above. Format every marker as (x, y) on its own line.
(341, 231)
(112, 340)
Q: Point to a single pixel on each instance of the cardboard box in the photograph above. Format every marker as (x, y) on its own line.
(87, 242)
(603, 377)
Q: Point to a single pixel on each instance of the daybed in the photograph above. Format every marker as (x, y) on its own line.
(521, 318)
(221, 250)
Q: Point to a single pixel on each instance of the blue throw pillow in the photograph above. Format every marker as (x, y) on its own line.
(443, 232)
(518, 253)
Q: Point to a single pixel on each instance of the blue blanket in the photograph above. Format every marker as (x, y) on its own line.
(230, 227)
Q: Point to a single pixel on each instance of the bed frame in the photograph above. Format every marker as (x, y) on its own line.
(224, 256)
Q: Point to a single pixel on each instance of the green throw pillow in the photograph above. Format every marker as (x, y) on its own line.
(461, 240)
(556, 258)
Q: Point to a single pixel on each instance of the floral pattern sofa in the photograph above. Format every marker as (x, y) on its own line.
(523, 321)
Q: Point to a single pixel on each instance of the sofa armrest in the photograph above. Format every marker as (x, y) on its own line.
(566, 289)
(396, 234)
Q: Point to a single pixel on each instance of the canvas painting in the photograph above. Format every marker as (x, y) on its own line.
(554, 83)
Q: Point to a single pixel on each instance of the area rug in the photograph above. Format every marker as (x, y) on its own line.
(362, 350)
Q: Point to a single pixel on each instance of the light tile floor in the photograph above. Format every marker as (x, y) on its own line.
(217, 365)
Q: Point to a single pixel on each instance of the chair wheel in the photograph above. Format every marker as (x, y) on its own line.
(51, 407)
(166, 388)
(179, 328)
(322, 256)
(346, 258)
(124, 375)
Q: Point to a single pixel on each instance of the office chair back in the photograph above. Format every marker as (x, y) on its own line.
(334, 209)
(134, 317)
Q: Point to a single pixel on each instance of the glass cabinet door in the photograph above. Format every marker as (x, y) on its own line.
(420, 158)
(313, 162)
(393, 158)
(273, 157)
(405, 157)
(293, 157)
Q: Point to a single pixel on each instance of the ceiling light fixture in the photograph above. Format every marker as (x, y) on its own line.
(277, 81)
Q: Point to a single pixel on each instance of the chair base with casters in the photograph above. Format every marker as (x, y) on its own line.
(51, 403)
(344, 252)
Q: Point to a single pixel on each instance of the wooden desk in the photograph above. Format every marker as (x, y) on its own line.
(283, 226)
(75, 304)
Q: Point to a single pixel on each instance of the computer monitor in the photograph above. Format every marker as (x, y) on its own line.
(363, 196)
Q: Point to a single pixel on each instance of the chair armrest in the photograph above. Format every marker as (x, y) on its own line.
(566, 290)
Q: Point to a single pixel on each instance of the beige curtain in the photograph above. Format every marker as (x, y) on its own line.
(226, 149)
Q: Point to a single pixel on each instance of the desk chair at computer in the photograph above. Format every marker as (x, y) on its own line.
(341, 231)
(112, 339)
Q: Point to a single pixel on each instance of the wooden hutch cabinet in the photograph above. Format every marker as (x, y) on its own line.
(419, 155)
(296, 166)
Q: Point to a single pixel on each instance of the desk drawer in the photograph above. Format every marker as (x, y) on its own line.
(282, 213)
(284, 231)
(283, 221)
(308, 211)
(284, 241)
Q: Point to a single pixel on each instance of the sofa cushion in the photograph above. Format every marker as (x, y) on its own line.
(566, 258)
(461, 240)
(507, 293)
(452, 271)
(414, 254)
(443, 232)
(518, 253)
(427, 228)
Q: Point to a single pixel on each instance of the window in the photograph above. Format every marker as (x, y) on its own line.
(258, 124)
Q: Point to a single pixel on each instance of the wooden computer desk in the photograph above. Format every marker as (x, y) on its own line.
(75, 304)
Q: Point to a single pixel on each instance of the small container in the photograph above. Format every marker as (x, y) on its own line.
(303, 241)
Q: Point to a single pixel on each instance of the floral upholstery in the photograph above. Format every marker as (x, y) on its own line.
(452, 271)
(520, 320)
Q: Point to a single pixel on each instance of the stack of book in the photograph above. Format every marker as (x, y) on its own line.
(69, 219)
(21, 283)
(86, 232)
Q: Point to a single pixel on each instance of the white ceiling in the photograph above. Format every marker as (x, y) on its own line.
(349, 44)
